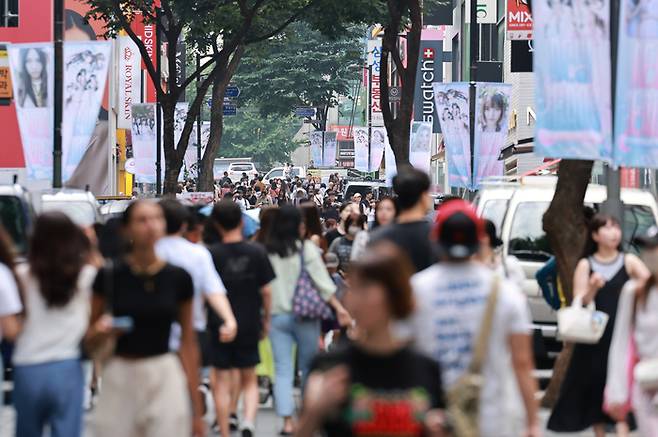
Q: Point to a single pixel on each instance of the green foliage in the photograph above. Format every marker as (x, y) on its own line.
(267, 139)
(301, 67)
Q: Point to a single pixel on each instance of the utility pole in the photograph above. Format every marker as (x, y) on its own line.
(198, 125)
(613, 205)
(58, 97)
(158, 108)
(474, 40)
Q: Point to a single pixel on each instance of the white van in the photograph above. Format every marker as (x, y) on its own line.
(277, 173)
(520, 207)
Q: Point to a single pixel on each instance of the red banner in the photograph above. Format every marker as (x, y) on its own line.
(146, 32)
(343, 133)
(519, 20)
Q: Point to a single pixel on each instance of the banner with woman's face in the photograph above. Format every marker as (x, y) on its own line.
(492, 111)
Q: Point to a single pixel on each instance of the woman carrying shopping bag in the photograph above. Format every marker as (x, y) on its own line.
(599, 277)
(298, 267)
(633, 365)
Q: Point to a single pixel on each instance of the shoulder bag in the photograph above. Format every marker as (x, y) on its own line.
(464, 397)
(103, 350)
(306, 302)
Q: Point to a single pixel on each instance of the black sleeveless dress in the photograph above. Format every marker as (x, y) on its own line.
(580, 404)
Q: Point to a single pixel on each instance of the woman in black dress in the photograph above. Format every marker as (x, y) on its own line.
(599, 276)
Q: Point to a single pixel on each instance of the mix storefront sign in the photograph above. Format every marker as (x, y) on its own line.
(519, 20)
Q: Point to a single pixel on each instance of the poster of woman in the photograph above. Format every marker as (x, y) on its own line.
(316, 147)
(361, 148)
(378, 143)
(636, 112)
(452, 105)
(32, 69)
(492, 115)
(572, 73)
(144, 142)
(419, 145)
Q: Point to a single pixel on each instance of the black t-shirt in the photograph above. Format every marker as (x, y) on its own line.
(388, 394)
(332, 235)
(244, 269)
(413, 237)
(153, 303)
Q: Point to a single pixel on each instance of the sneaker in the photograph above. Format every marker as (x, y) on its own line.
(246, 432)
(233, 422)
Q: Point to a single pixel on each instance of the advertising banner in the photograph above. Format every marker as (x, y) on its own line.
(519, 19)
(420, 143)
(452, 104)
(316, 148)
(369, 160)
(636, 114)
(190, 159)
(180, 114)
(572, 76)
(361, 148)
(33, 84)
(5, 78)
(486, 11)
(329, 153)
(378, 143)
(492, 110)
(85, 71)
(430, 70)
(130, 80)
(144, 142)
(375, 61)
(391, 165)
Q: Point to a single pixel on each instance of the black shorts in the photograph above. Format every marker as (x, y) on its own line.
(203, 338)
(234, 356)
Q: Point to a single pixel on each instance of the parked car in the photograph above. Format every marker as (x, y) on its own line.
(277, 173)
(16, 215)
(518, 208)
(236, 169)
(80, 205)
(377, 188)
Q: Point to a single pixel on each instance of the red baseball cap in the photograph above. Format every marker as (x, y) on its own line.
(458, 229)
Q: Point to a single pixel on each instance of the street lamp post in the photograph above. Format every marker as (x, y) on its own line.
(58, 94)
(473, 30)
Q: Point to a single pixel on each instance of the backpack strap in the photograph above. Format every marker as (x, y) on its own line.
(482, 341)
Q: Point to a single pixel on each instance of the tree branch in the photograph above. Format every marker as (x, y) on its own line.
(285, 24)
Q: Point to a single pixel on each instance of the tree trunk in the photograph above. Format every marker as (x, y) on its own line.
(564, 223)
(172, 159)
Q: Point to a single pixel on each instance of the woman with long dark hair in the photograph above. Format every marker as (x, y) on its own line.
(599, 277)
(312, 225)
(33, 89)
(48, 374)
(342, 246)
(147, 390)
(10, 300)
(385, 212)
(289, 254)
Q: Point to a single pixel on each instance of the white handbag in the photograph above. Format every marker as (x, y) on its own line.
(646, 374)
(578, 324)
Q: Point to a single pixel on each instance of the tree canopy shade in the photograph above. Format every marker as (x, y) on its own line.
(302, 67)
(217, 28)
(268, 139)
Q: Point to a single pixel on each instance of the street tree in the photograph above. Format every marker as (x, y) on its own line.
(217, 28)
(268, 139)
(302, 67)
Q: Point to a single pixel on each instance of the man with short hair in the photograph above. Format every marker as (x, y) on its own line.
(225, 180)
(247, 272)
(453, 299)
(411, 230)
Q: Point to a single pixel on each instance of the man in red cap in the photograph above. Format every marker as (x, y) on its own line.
(453, 298)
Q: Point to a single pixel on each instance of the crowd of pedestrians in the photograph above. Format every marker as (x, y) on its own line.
(423, 323)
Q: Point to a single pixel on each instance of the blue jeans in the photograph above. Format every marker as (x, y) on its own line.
(284, 333)
(49, 394)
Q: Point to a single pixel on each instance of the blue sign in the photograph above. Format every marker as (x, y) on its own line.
(230, 109)
(305, 111)
(232, 91)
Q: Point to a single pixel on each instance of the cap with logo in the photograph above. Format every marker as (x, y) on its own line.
(458, 230)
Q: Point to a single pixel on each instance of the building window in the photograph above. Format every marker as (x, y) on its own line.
(9, 13)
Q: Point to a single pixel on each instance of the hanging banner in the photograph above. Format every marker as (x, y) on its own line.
(130, 80)
(144, 142)
(572, 76)
(391, 165)
(5, 78)
(316, 148)
(85, 72)
(420, 143)
(430, 70)
(492, 109)
(191, 156)
(372, 160)
(636, 114)
(375, 61)
(33, 84)
(519, 20)
(452, 104)
(180, 115)
(329, 152)
(361, 148)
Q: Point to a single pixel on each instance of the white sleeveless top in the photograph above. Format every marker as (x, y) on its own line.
(52, 334)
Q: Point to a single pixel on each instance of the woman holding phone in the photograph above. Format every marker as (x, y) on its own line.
(147, 391)
(56, 284)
